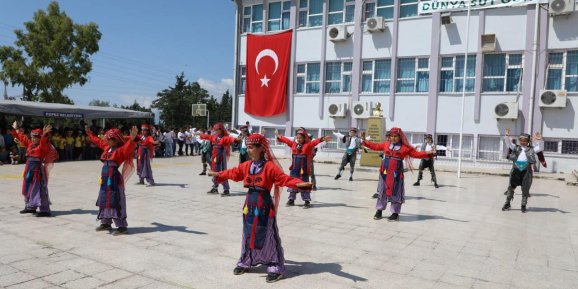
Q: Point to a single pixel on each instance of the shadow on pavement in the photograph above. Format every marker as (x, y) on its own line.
(310, 268)
(331, 189)
(544, 195)
(331, 205)
(546, 210)
(183, 186)
(416, 218)
(162, 228)
(423, 198)
(74, 212)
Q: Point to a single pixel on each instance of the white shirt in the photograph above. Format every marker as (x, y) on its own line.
(168, 137)
(181, 136)
(522, 157)
(188, 137)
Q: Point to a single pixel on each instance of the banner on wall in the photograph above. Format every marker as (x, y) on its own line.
(428, 7)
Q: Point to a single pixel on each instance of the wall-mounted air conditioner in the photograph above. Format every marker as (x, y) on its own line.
(337, 110)
(338, 33)
(561, 7)
(361, 109)
(553, 98)
(506, 110)
(375, 24)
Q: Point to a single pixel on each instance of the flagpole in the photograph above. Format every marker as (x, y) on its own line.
(464, 91)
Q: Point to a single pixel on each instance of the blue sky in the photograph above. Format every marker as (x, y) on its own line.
(145, 44)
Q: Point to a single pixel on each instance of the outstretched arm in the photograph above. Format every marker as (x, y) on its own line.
(17, 134)
(236, 174)
(284, 140)
(372, 145)
(283, 180)
(96, 140)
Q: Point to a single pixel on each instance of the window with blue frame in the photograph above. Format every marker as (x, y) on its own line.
(412, 75)
(253, 19)
(563, 71)
(338, 77)
(278, 16)
(308, 78)
(502, 72)
(242, 80)
(376, 76)
(452, 74)
(310, 13)
(408, 8)
(341, 11)
(378, 8)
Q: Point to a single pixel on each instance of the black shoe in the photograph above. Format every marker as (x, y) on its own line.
(44, 214)
(203, 173)
(416, 183)
(524, 209)
(378, 215)
(103, 227)
(351, 179)
(213, 191)
(120, 231)
(240, 270)
(506, 207)
(225, 193)
(140, 183)
(307, 205)
(28, 211)
(375, 196)
(436, 185)
(337, 177)
(291, 203)
(314, 188)
(393, 217)
(273, 277)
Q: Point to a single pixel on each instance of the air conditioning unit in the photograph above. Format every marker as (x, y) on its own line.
(375, 24)
(561, 7)
(338, 33)
(446, 18)
(506, 110)
(337, 110)
(361, 109)
(488, 42)
(553, 98)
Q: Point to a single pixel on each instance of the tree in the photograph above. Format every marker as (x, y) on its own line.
(226, 108)
(176, 102)
(136, 106)
(53, 53)
(97, 102)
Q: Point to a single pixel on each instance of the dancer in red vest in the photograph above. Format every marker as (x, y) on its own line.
(391, 177)
(221, 142)
(117, 151)
(302, 158)
(146, 152)
(40, 156)
(261, 241)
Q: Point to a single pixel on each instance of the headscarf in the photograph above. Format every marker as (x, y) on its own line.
(258, 139)
(51, 154)
(403, 139)
(302, 131)
(221, 127)
(36, 133)
(128, 165)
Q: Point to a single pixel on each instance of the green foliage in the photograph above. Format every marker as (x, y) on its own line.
(97, 102)
(53, 53)
(176, 103)
(137, 107)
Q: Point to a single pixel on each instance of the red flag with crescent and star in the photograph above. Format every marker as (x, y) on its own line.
(267, 71)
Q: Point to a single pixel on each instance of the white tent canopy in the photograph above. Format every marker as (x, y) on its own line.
(59, 110)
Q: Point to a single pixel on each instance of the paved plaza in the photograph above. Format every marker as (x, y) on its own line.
(180, 237)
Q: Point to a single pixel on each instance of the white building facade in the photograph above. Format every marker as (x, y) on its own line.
(414, 69)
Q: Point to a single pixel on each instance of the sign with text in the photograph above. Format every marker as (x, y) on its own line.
(63, 114)
(376, 130)
(428, 7)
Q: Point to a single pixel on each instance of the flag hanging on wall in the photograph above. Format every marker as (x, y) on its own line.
(267, 71)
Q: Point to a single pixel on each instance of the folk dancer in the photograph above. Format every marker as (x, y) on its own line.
(261, 242)
(117, 151)
(221, 143)
(391, 173)
(146, 153)
(302, 156)
(350, 156)
(428, 162)
(40, 157)
(523, 157)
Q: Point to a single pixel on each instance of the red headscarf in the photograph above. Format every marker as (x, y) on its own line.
(51, 155)
(399, 132)
(258, 139)
(302, 131)
(220, 126)
(36, 133)
(128, 165)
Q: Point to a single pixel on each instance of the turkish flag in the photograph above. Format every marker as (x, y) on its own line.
(267, 70)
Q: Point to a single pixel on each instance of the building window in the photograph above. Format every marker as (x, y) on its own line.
(558, 77)
(502, 72)
(550, 146)
(379, 8)
(341, 11)
(376, 76)
(338, 77)
(335, 144)
(407, 8)
(308, 78)
(278, 16)
(569, 147)
(490, 148)
(242, 80)
(270, 135)
(310, 13)
(253, 18)
(452, 74)
(413, 75)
